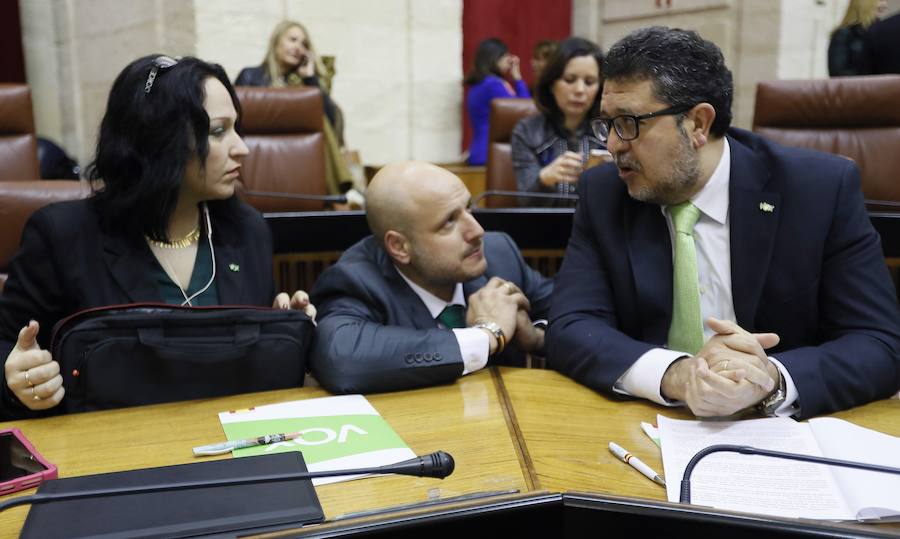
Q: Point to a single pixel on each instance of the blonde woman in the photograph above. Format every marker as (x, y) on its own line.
(849, 51)
(291, 60)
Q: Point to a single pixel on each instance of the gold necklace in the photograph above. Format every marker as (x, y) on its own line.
(186, 241)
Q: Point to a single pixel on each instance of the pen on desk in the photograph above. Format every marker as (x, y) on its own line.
(636, 463)
(225, 447)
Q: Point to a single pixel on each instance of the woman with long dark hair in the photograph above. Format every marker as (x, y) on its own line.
(550, 149)
(163, 224)
(492, 63)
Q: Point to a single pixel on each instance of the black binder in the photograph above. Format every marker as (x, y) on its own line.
(181, 513)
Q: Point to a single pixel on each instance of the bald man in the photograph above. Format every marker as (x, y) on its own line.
(428, 297)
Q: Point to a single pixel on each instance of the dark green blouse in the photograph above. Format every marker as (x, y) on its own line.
(203, 265)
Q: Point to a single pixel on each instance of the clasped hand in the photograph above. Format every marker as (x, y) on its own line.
(503, 302)
(564, 169)
(730, 373)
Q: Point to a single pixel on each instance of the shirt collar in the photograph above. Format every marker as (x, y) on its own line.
(712, 199)
(434, 304)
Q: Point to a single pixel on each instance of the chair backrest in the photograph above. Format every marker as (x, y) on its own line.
(18, 200)
(282, 127)
(18, 143)
(857, 117)
(505, 114)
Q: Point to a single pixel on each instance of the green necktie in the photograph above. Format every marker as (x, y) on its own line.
(686, 331)
(453, 316)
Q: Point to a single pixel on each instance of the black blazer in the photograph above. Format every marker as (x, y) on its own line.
(66, 264)
(806, 263)
(375, 334)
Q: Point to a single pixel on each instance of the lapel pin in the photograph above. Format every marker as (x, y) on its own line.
(234, 267)
(766, 207)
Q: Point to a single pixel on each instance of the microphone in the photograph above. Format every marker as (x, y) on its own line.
(521, 194)
(439, 465)
(336, 199)
(685, 496)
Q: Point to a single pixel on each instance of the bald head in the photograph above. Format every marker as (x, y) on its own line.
(401, 192)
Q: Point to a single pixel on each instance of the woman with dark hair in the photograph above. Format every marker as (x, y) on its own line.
(492, 63)
(163, 223)
(551, 149)
(291, 60)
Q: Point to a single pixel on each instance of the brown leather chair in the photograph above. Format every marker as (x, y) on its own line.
(18, 143)
(505, 114)
(282, 127)
(857, 117)
(18, 200)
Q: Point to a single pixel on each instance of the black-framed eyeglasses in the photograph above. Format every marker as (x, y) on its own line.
(158, 65)
(627, 126)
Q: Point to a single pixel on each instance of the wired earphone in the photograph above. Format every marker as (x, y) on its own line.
(212, 254)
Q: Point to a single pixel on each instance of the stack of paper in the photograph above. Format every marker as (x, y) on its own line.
(779, 487)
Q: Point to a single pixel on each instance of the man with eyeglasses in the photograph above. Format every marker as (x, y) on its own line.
(710, 267)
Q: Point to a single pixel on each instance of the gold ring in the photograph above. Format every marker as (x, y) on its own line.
(28, 380)
(34, 395)
(725, 365)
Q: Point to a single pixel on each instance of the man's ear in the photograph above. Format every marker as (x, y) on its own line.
(397, 247)
(702, 116)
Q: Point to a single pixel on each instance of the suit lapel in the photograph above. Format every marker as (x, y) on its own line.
(128, 263)
(403, 295)
(229, 284)
(650, 253)
(754, 224)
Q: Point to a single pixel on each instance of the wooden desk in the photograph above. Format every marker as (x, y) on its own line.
(565, 429)
(466, 419)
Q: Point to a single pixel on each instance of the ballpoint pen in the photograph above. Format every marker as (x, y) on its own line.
(225, 447)
(636, 463)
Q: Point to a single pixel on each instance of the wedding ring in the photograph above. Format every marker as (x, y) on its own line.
(28, 380)
(34, 395)
(509, 287)
(725, 365)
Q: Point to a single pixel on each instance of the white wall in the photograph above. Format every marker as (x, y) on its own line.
(398, 61)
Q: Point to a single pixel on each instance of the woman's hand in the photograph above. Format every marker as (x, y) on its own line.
(31, 374)
(564, 169)
(514, 70)
(307, 67)
(299, 301)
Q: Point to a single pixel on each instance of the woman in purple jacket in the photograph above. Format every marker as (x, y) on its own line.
(492, 63)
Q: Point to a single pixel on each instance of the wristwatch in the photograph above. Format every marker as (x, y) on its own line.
(494, 329)
(776, 398)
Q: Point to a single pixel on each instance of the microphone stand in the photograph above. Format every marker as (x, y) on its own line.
(438, 464)
(685, 496)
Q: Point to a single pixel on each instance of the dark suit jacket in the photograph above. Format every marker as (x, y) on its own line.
(375, 334)
(884, 44)
(812, 271)
(67, 264)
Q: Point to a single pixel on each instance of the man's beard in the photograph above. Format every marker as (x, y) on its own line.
(683, 175)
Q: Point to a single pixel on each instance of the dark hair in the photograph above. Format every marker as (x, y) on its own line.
(556, 66)
(544, 48)
(145, 142)
(684, 68)
(486, 56)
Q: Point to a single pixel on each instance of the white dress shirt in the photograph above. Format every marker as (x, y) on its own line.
(474, 344)
(713, 245)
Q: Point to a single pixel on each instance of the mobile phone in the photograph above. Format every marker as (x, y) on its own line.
(21, 466)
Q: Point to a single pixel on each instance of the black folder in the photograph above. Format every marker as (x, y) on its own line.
(181, 513)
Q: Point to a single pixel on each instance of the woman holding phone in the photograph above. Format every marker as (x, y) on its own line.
(291, 60)
(551, 149)
(163, 224)
(486, 82)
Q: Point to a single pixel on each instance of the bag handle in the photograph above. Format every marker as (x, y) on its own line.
(244, 334)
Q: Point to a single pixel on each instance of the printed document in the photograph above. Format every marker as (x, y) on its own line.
(779, 487)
